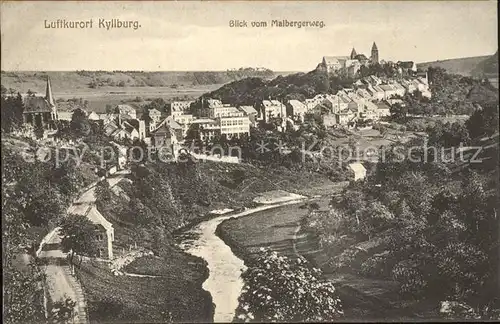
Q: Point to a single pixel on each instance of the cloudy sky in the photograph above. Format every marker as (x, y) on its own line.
(196, 35)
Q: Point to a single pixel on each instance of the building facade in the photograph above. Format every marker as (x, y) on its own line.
(40, 111)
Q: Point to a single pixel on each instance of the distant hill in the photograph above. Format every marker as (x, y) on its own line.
(463, 66)
(70, 81)
(487, 67)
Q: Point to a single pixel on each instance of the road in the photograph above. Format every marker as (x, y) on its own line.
(60, 283)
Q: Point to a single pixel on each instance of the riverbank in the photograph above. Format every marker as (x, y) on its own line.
(279, 230)
(224, 282)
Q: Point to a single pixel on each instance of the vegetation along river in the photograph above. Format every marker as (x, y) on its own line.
(224, 282)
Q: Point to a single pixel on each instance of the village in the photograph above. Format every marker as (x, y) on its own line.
(339, 165)
(369, 100)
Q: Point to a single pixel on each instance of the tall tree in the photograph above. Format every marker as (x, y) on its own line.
(78, 236)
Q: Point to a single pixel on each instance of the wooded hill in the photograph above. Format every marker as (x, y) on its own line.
(468, 66)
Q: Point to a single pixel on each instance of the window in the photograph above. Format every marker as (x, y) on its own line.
(99, 237)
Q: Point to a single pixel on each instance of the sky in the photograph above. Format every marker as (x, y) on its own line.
(196, 36)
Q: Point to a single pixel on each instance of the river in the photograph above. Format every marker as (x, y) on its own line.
(224, 282)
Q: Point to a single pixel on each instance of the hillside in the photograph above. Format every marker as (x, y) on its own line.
(487, 67)
(293, 86)
(72, 80)
(463, 66)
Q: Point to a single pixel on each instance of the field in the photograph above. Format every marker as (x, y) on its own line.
(99, 98)
(121, 299)
(101, 88)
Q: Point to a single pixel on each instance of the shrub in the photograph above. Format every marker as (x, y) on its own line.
(278, 289)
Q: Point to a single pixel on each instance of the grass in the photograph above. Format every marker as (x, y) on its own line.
(275, 228)
(176, 295)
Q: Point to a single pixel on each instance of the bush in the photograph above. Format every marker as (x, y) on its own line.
(278, 289)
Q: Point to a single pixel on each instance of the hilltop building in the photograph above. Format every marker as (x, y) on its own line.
(349, 64)
(374, 56)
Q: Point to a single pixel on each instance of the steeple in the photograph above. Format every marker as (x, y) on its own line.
(48, 93)
(374, 56)
(353, 53)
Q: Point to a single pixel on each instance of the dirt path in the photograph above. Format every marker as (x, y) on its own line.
(60, 283)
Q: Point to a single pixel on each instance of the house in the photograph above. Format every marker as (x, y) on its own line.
(184, 121)
(337, 103)
(180, 107)
(129, 130)
(370, 111)
(373, 80)
(296, 109)
(164, 137)
(409, 86)
(104, 231)
(271, 109)
(406, 67)
(376, 92)
(41, 111)
(389, 91)
(207, 128)
(363, 94)
(224, 111)
(329, 120)
(154, 119)
(107, 118)
(392, 102)
(140, 126)
(359, 171)
(234, 126)
(400, 90)
(346, 116)
(250, 112)
(126, 110)
(356, 107)
(93, 116)
(65, 115)
(212, 103)
(119, 129)
(383, 109)
(174, 125)
(334, 63)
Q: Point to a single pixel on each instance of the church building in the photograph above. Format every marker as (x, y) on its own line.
(350, 64)
(40, 111)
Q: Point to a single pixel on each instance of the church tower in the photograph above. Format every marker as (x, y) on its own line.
(50, 100)
(353, 54)
(48, 93)
(374, 57)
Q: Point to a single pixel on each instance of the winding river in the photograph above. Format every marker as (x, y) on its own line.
(224, 282)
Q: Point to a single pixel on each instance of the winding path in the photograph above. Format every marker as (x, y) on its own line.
(60, 281)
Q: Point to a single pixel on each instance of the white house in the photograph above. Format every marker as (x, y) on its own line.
(359, 171)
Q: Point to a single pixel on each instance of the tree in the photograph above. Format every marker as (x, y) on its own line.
(278, 289)
(398, 111)
(78, 236)
(103, 191)
(79, 124)
(11, 112)
(23, 295)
